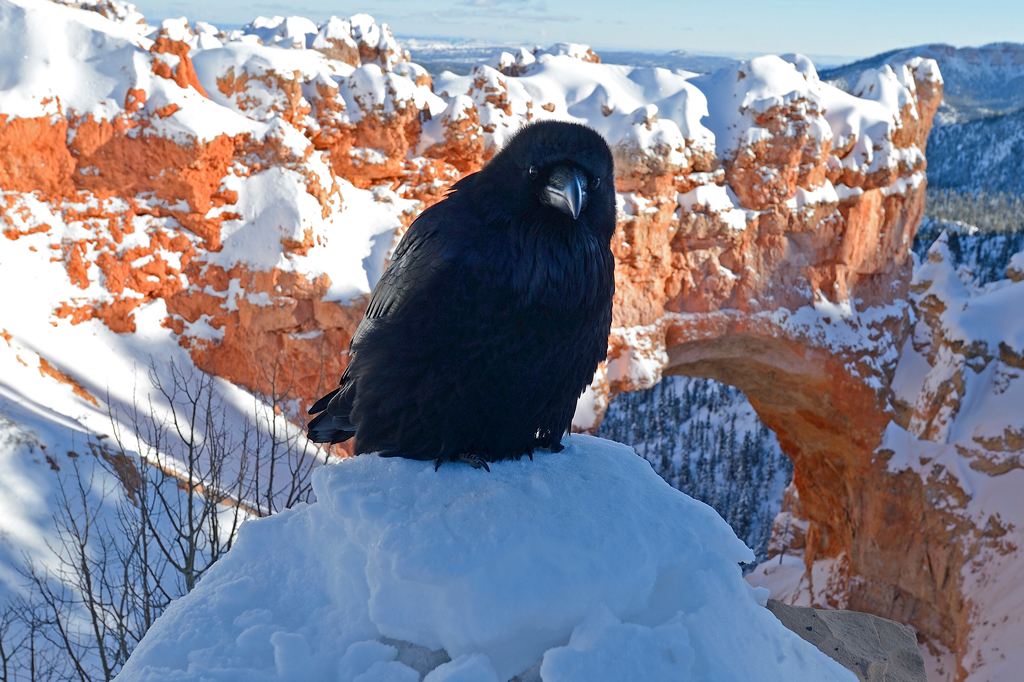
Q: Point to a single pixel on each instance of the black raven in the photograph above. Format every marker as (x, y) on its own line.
(493, 314)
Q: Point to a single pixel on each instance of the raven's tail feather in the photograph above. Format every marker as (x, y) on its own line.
(333, 423)
(325, 429)
(321, 405)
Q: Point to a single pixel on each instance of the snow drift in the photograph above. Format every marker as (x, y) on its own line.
(581, 565)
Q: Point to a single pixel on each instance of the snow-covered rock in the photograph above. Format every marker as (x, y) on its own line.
(584, 561)
(956, 437)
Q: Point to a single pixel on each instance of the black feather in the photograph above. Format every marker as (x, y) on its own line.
(493, 313)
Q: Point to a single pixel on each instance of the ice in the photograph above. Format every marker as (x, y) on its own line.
(585, 560)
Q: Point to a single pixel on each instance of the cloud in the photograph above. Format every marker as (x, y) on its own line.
(527, 11)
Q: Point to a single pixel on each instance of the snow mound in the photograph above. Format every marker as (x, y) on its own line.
(585, 562)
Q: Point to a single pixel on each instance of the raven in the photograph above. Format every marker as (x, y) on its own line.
(492, 315)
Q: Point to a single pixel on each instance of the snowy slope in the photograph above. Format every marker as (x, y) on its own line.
(971, 336)
(984, 256)
(584, 566)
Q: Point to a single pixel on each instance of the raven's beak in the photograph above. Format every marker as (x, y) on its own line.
(566, 190)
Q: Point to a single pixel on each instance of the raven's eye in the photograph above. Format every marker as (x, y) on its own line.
(533, 172)
(597, 182)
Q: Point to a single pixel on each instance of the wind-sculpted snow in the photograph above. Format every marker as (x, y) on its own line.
(585, 562)
(647, 109)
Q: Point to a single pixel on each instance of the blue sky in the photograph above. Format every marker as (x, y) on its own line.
(850, 29)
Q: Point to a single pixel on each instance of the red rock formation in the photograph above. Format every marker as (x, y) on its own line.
(183, 73)
(36, 157)
(288, 349)
(745, 268)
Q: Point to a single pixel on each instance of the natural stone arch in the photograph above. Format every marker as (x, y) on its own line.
(898, 553)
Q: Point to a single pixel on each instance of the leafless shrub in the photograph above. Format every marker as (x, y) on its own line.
(189, 469)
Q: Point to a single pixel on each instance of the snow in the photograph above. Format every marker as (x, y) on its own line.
(41, 419)
(823, 194)
(176, 29)
(258, 99)
(584, 560)
(989, 316)
(334, 29)
(860, 126)
(981, 333)
(82, 70)
(893, 89)
(1016, 263)
(89, 70)
(992, 579)
(736, 95)
(644, 108)
(287, 32)
(718, 199)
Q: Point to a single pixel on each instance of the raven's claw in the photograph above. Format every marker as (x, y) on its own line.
(475, 460)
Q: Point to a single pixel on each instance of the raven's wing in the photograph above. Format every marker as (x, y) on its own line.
(420, 256)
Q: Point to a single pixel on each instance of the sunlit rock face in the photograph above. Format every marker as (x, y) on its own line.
(250, 185)
(788, 277)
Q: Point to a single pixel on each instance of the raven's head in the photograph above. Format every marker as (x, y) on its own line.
(554, 173)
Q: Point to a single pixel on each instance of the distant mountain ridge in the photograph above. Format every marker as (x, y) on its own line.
(460, 58)
(979, 81)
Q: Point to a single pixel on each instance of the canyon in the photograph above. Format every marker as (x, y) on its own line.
(240, 191)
